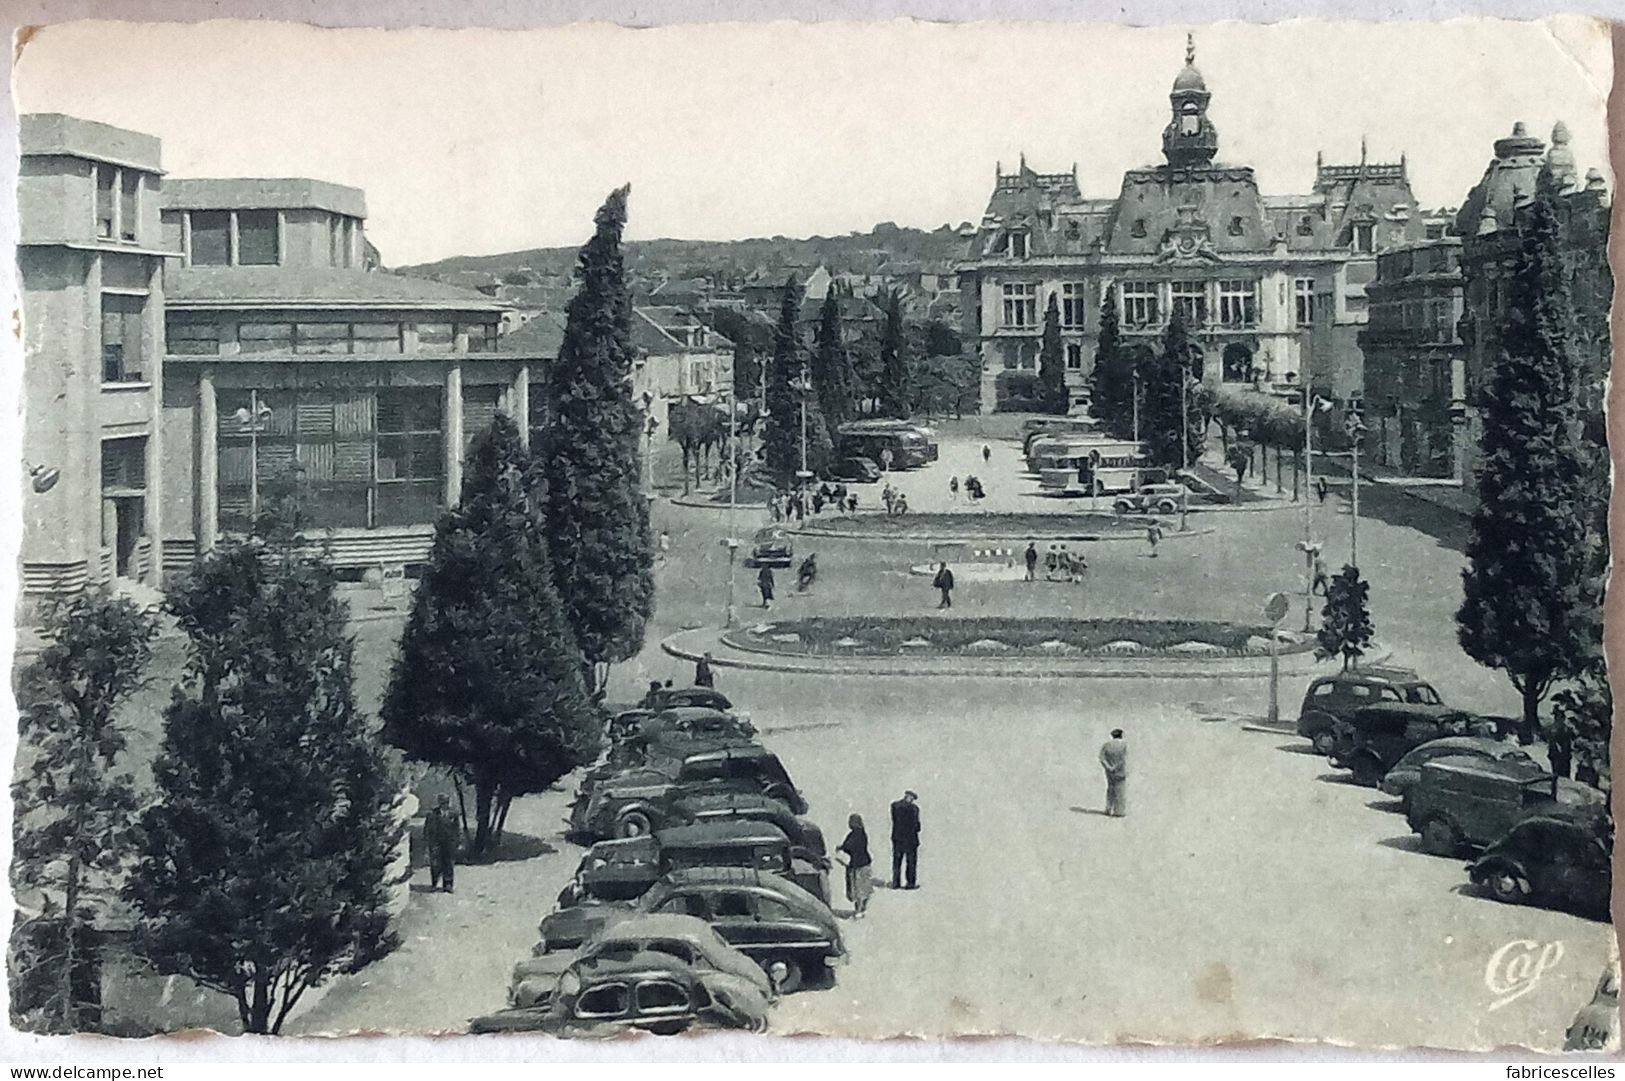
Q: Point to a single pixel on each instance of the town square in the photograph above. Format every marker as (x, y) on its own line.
(1164, 615)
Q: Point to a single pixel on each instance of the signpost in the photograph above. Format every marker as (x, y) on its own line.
(1275, 610)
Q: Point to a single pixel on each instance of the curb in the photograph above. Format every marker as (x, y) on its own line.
(712, 504)
(974, 538)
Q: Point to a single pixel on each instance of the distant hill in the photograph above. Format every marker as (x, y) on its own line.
(884, 247)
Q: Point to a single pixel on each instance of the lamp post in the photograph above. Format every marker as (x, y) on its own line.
(1312, 404)
(802, 388)
(1354, 424)
(1184, 439)
(733, 502)
(1136, 401)
(254, 419)
(649, 426)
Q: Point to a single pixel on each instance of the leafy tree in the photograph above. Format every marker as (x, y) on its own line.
(697, 429)
(1111, 382)
(1529, 603)
(1052, 363)
(1345, 627)
(832, 376)
(487, 681)
(781, 441)
(1586, 710)
(894, 391)
(597, 517)
(1166, 395)
(265, 862)
(949, 383)
(73, 813)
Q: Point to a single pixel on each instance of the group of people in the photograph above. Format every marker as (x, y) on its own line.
(806, 575)
(973, 489)
(1060, 563)
(797, 504)
(896, 502)
(853, 853)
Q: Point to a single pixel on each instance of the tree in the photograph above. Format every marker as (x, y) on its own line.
(1166, 401)
(894, 392)
(1529, 603)
(832, 376)
(1052, 392)
(697, 429)
(265, 862)
(488, 681)
(1111, 382)
(74, 813)
(1586, 711)
(597, 517)
(1345, 627)
(781, 441)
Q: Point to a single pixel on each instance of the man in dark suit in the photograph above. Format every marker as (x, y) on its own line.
(905, 840)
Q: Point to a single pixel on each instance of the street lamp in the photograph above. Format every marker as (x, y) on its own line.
(803, 387)
(1184, 440)
(1136, 402)
(733, 501)
(1312, 404)
(1354, 425)
(42, 478)
(253, 419)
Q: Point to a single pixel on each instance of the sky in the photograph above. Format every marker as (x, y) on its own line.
(480, 141)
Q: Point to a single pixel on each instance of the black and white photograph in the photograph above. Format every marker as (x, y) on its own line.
(1059, 530)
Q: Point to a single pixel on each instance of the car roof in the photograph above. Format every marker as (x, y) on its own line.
(1373, 674)
(656, 925)
(721, 831)
(752, 800)
(744, 877)
(1445, 744)
(1498, 768)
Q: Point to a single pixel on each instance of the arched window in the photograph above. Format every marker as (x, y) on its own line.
(1190, 119)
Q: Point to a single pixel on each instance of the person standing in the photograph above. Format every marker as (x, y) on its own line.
(1321, 488)
(944, 582)
(888, 497)
(1032, 560)
(764, 583)
(702, 672)
(1114, 761)
(987, 454)
(1322, 581)
(1560, 749)
(953, 489)
(665, 546)
(885, 459)
(440, 836)
(860, 879)
(905, 842)
(1153, 534)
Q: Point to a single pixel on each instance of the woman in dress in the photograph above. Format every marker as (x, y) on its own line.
(854, 852)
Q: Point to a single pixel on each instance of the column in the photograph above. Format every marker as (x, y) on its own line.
(208, 463)
(521, 403)
(454, 432)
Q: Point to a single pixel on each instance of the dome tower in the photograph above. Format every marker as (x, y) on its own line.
(1190, 139)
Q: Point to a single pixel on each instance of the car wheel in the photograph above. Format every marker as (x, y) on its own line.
(1167, 506)
(1324, 743)
(1122, 506)
(1509, 887)
(786, 975)
(1440, 836)
(1367, 772)
(633, 824)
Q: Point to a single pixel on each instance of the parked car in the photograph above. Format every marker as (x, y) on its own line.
(683, 697)
(858, 470)
(651, 993)
(1596, 1025)
(1370, 741)
(1150, 499)
(1472, 802)
(1399, 780)
(628, 803)
(770, 919)
(1331, 697)
(806, 839)
(771, 547)
(694, 723)
(622, 869)
(687, 939)
(1563, 861)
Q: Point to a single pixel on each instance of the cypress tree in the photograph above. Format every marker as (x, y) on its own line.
(1163, 388)
(1052, 393)
(1111, 381)
(1529, 603)
(597, 516)
(894, 378)
(781, 439)
(832, 367)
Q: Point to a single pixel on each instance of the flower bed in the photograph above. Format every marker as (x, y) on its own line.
(980, 525)
(860, 636)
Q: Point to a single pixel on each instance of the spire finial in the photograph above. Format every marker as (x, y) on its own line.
(1362, 150)
(1190, 48)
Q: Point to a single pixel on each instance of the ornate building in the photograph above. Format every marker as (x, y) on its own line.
(1274, 286)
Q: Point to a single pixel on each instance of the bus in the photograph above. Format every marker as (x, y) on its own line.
(910, 445)
(1095, 466)
(1035, 428)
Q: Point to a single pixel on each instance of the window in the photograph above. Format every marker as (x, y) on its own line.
(661, 997)
(129, 204)
(106, 180)
(482, 337)
(1303, 301)
(1141, 304)
(480, 407)
(124, 465)
(1238, 304)
(1190, 119)
(1021, 305)
(411, 462)
(537, 421)
(347, 243)
(257, 238)
(376, 338)
(211, 238)
(1324, 690)
(686, 904)
(335, 237)
(1435, 231)
(322, 338)
(1236, 364)
(1074, 356)
(122, 338)
(193, 339)
(264, 337)
(771, 908)
(1236, 228)
(1138, 228)
(732, 903)
(1364, 237)
(1191, 298)
(436, 337)
(1072, 294)
(1017, 247)
(1073, 230)
(607, 1000)
(1306, 226)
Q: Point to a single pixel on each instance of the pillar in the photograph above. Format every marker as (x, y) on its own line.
(208, 463)
(454, 433)
(154, 347)
(521, 403)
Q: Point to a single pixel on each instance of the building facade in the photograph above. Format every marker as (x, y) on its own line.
(1252, 272)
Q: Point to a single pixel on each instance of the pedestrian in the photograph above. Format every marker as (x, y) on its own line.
(852, 503)
(885, 459)
(1032, 559)
(775, 510)
(1321, 488)
(854, 852)
(987, 454)
(818, 503)
(1114, 761)
(702, 672)
(764, 583)
(905, 842)
(888, 497)
(944, 582)
(665, 545)
(440, 836)
(953, 489)
(808, 574)
(1322, 582)
(900, 504)
(1153, 534)
(800, 507)
(651, 700)
(1560, 749)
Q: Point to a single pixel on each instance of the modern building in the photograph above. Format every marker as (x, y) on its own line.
(1415, 364)
(91, 258)
(1251, 271)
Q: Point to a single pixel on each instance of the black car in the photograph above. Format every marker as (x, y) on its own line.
(1564, 861)
(1372, 740)
(856, 469)
(1331, 698)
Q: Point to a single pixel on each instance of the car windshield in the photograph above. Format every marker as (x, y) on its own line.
(606, 1000)
(1422, 694)
(662, 997)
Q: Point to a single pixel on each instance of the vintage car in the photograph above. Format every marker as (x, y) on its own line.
(684, 697)
(1461, 803)
(1406, 772)
(1565, 861)
(789, 932)
(856, 469)
(628, 802)
(771, 547)
(1332, 697)
(1151, 499)
(688, 939)
(1371, 740)
(1596, 1025)
(678, 723)
(623, 869)
(806, 839)
(652, 993)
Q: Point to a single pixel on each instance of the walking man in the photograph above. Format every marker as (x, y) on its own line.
(764, 582)
(1322, 581)
(987, 454)
(1153, 534)
(1321, 488)
(944, 581)
(905, 841)
(1114, 761)
(702, 672)
(885, 460)
(440, 834)
(953, 489)
(888, 497)
(1032, 559)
